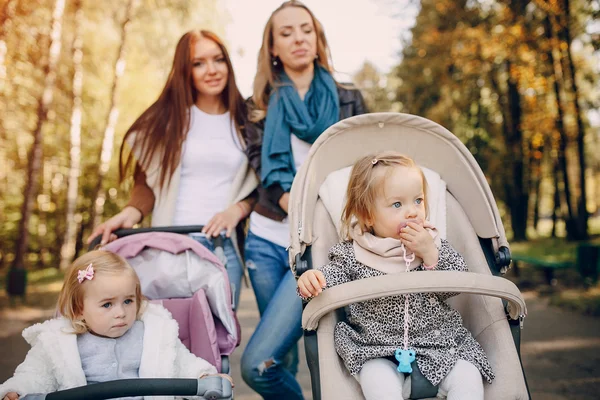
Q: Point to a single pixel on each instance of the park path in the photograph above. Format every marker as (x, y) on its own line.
(560, 350)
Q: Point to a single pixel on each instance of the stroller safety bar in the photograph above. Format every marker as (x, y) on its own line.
(126, 232)
(210, 388)
(414, 282)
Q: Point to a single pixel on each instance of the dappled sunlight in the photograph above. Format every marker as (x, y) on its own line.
(562, 344)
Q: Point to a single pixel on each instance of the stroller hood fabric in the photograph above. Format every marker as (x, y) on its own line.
(172, 265)
(429, 144)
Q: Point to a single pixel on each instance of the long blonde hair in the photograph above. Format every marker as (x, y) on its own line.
(266, 72)
(70, 299)
(366, 181)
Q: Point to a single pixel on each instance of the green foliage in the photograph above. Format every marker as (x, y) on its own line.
(548, 249)
(587, 303)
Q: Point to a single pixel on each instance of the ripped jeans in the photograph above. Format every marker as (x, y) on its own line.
(270, 360)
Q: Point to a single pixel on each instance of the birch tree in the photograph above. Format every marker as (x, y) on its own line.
(68, 248)
(111, 121)
(35, 153)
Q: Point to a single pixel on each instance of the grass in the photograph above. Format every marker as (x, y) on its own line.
(583, 302)
(570, 291)
(38, 277)
(42, 288)
(549, 249)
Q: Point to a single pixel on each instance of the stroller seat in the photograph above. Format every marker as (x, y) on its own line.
(196, 326)
(190, 282)
(470, 222)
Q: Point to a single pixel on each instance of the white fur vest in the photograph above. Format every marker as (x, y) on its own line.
(53, 362)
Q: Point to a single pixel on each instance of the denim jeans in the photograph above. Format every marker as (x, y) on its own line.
(233, 265)
(270, 360)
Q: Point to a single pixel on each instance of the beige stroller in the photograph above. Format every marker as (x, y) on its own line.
(461, 206)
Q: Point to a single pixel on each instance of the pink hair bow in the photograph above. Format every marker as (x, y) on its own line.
(84, 274)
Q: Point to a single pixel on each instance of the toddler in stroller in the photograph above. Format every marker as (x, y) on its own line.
(461, 207)
(387, 233)
(188, 280)
(107, 331)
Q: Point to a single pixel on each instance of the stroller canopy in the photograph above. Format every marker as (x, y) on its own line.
(428, 143)
(175, 266)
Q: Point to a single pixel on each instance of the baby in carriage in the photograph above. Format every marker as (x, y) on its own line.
(106, 331)
(385, 224)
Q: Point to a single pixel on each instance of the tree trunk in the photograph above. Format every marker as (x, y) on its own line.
(563, 138)
(67, 251)
(35, 154)
(519, 194)
(581, 222)
(514, 140)
(515, 184)
(514, 187)
(98, 194)
(536, 182)
(556, 207)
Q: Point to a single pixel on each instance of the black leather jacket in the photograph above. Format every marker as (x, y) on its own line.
(351, 104)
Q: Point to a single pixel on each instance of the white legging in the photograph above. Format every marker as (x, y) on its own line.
(380, 380)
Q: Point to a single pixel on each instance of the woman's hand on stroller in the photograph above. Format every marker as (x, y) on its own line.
(11, 396)
(227, 220)
(311, 283)
(229, 378)
(127, 218)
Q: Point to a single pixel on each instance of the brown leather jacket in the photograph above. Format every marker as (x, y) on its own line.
(351, 104)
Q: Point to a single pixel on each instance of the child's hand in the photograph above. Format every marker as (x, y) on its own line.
(311, 283)
(11, 396)
(416, 239)
(222, 376)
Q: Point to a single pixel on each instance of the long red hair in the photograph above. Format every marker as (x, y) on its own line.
(161, 130)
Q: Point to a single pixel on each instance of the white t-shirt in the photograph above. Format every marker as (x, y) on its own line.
(275, 231)
(210, 160)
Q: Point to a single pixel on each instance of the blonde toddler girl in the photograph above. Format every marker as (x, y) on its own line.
(106, 332)
(387, 232)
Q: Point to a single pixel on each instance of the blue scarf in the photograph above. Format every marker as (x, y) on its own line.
(287, 114)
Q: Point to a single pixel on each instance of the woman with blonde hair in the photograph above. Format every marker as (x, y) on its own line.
(295, 99)
(189, 152)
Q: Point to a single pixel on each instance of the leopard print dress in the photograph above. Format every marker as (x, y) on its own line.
(375, 328)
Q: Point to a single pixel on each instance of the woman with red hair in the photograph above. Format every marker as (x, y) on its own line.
(188, 153)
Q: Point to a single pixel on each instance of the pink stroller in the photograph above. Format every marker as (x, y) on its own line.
(191, 282)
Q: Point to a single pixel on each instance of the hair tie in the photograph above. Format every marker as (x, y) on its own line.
(84, 274)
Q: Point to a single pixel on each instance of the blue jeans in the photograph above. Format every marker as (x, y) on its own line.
(270, 360)
(233, 266)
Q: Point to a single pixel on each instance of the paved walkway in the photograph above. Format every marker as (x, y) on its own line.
(560, 350)
(561, 353)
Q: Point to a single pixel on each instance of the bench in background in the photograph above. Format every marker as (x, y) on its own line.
(587, 263)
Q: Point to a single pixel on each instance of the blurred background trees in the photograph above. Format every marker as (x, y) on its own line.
(73, 76)
(517, 81)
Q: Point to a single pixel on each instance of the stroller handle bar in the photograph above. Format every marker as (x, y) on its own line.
(415, 282)
(185, 229)
(210, 388)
